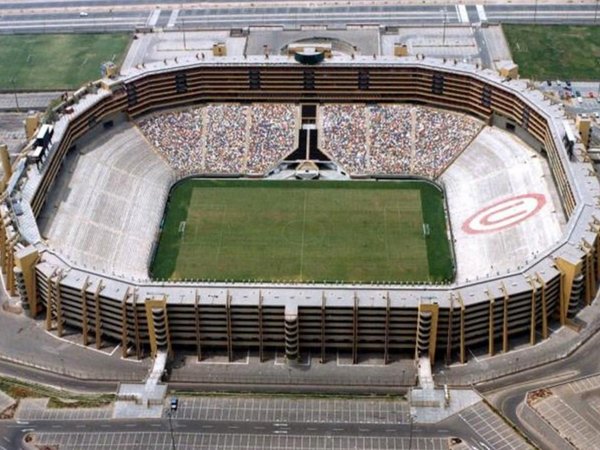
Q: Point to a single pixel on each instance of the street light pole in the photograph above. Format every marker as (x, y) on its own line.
(12, 80)
(443, 11)
(410, 430)
(535, 13)
(596, 12)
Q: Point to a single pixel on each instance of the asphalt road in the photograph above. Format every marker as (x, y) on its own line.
(508, 392)
(54, 379)
(13, 432)
(125, 16)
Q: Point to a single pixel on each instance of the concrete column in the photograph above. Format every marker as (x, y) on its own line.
(97, 321)
(449, 340)
(386, 338)
(355, 330)
(260, 327)
(544, 306)
(124, 330)
(504, 319)
(50, 303)
(491, 323)
(532, 314)
(197, 320)
(229, 328)
(323, 325)
(58, 299)
(84, 314)
(136, 326)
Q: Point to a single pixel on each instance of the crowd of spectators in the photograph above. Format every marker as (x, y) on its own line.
(226, 138)
(391, 128)
(440, 137)
(395, 139)
(232, 138)
(272, 135)
(344, 135)
(177, 135)
(223, 138)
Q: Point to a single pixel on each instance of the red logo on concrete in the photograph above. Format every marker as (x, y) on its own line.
(504, 214)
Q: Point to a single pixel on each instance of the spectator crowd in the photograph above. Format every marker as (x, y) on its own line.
(177, 135)
(395, 139)
(223, 138)
(363, 139)
(344, 135)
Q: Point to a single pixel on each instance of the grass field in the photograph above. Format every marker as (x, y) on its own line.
(304, 231)
(56, 61)
(555, 51)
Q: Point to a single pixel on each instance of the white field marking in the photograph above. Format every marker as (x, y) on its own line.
(463, 16)
(182, 226)
(355, 365)
(481, 12)
(303, 234)
(245, 363)
(173, 18)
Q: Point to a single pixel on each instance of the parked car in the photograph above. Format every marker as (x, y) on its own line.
(174, 403)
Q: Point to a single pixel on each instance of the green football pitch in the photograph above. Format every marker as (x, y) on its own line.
(304, 231)
(56, 61)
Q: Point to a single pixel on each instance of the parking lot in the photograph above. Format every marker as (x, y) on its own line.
(293, 410)
(492, 430)
(212, 441)
(585, 384)
(569, 423)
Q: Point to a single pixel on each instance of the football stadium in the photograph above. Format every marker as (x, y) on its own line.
(402, 206)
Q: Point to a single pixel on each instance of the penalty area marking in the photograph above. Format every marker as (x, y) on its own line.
(504, 214)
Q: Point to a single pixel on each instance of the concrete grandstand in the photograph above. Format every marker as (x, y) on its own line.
(524, 220)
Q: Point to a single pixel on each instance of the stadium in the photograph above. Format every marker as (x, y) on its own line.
(162, 210)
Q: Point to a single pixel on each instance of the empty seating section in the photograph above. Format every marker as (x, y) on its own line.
(395, 139)
(105, 217)
(224, 138)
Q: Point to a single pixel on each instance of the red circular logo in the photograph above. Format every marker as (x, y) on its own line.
(504, 214)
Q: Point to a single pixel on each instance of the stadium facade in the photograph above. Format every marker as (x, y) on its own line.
(439, 320)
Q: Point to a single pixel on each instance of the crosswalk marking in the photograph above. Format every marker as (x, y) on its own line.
(481, 13)
(173, 18)
(153, 18)
(463, 16)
